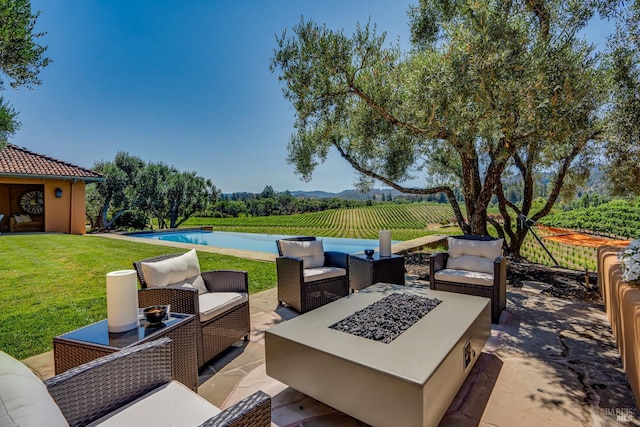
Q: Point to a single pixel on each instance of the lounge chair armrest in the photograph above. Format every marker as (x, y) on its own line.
(438, 261)
(500, 271)
(290, 259)
(289, 270)
(252, 411)
(90, 391)
(336, 259)
(182, 300)
(226, 280)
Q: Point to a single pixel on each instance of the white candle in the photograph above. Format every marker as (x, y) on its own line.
(385, 243)
(122, 301)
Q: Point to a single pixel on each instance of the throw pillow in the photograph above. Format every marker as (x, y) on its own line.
(172, 270)
(18, 218)
(490, 249)
(311, 252)
(193, 282)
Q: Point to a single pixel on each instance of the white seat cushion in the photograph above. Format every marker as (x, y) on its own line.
(172, 270)
(172, 404)
(311, 252)
(463, 276)
(313, 274)
(215, 303)
(24, 400)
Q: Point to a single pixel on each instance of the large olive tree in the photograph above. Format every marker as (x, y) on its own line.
(21, 57)
(623, 131)
(108, 200)
(171, 196)
(490, 89)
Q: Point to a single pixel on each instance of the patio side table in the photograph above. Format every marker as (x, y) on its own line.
(364, 272)
(90, 342)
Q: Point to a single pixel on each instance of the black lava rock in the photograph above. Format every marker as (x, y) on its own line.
(387, 318)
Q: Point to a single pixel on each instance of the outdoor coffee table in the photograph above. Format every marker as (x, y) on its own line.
(365, 271)
(90, 342)
(410, 381)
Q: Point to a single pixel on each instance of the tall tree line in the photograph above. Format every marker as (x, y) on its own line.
(136, 194)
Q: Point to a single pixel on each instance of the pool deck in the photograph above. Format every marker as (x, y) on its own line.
(548, 362)
(397, 248)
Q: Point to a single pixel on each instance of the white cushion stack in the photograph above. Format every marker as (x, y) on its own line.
(471, 261)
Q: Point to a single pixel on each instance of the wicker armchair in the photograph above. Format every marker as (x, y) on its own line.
(104, 386)
(213, 335)
(300, 290)
(444, 277)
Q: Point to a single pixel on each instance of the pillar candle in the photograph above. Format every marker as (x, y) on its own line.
(122, 301)
(385, 243)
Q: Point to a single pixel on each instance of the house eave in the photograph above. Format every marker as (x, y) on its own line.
(63, 177)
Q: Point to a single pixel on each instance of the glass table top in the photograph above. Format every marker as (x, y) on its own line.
(97, 333)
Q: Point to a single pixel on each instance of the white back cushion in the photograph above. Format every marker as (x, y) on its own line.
(491, 249)
(471, 263)
(311, 253)
(24, 400)
(172, 270)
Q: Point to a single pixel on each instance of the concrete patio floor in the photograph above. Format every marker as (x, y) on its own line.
(549, 362)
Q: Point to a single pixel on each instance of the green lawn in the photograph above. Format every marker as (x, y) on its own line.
(54, 283)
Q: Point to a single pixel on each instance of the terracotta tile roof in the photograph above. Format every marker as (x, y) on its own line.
(16, 161)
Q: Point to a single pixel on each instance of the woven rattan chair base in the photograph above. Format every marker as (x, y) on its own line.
(490, 292)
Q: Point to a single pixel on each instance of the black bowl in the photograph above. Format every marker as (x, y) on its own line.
(155, 313)
(369, 252)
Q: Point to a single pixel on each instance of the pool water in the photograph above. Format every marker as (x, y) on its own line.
(255, 242)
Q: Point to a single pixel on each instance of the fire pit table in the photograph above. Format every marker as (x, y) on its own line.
(409, 381)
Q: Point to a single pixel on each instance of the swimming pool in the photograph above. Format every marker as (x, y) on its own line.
(255, 242)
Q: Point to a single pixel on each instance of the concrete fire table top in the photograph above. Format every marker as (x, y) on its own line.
(420, 370)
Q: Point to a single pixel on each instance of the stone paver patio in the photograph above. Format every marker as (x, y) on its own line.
(549, 362)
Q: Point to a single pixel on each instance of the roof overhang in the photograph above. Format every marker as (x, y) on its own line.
(69, 178)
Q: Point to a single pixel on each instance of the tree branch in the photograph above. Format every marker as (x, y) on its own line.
(502, 206)
(409, 190)
(557, 186)
(383, 112)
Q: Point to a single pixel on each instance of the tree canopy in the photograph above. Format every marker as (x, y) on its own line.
(623, 136)
(21, 57)
(491, 91)
(134, 193)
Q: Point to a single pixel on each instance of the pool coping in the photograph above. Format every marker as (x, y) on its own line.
(397, 248)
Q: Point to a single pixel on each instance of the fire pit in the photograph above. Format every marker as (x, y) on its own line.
(409, 381)
(386, 319)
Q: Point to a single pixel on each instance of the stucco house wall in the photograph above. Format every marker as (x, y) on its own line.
(22, 171)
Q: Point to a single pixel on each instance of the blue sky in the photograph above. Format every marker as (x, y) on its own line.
(186, 83)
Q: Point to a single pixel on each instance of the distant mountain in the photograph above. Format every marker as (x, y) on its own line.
(595, 184)
(313, 194)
